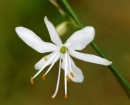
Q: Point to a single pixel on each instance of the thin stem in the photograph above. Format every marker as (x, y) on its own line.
(112, 67)
(96, 47)
(72, 13)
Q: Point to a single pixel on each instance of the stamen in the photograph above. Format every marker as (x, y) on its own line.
(43, 76)
(45, 65)
(72, 74)
(66, 97)
(52, 64)
(58, 80)
(31, 80)
(67, 78)
(45, 58)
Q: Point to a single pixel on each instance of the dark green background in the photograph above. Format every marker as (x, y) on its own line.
(111, 19)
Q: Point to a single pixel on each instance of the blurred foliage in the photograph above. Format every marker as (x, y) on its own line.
(111, 19)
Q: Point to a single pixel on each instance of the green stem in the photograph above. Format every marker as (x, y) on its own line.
(112, 67)
(72, 13)
(96, 47)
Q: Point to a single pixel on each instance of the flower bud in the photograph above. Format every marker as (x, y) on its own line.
(62, 28)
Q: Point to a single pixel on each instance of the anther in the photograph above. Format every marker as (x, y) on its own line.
(45, 58)
(71, 74)
(66, 97)
(43, 76)
(31, 80)
(67, 78)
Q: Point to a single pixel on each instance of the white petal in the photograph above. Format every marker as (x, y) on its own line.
(89, 58)
(32, 40)
(80, 39)
(53, 33)
(78, 75)
(43, 61)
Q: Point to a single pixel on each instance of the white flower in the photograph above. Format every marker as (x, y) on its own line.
(78, 41)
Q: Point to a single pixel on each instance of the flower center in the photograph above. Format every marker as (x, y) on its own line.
(63, 49)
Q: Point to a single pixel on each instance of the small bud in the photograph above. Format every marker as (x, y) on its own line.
(62, 28)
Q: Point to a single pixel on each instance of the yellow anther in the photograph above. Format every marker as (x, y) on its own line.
(45, 58)
(67, 78)
(71, 74)
(31, 80)
(43, 76)
(66, 97)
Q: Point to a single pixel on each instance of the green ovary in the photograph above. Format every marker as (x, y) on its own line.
(63, 49)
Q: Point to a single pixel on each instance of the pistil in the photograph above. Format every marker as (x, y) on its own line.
(63, 49)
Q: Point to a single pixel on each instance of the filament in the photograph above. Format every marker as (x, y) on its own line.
(58, 80)
(45, 65)
(52, 65)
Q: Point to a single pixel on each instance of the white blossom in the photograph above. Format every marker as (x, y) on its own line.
(59, 51)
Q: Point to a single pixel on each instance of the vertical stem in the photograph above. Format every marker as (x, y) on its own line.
(96, 47)
(112, 67)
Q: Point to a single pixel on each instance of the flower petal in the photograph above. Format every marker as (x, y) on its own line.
(53, 33)
(89, 58)
(80, 39)
(78, 75)
(43, 61)
(32, 40)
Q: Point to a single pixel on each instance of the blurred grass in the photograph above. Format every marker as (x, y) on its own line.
(111, 20)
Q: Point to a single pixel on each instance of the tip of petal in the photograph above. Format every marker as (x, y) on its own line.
(17, 28)
(109, 63)
(20, 28)
(45, 18)
(90, 28)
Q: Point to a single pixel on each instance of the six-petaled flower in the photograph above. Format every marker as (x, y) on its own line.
(59, 51)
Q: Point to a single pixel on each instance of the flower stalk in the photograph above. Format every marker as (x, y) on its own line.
(96, 47)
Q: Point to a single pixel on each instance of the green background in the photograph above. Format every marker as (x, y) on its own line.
(111, 19)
